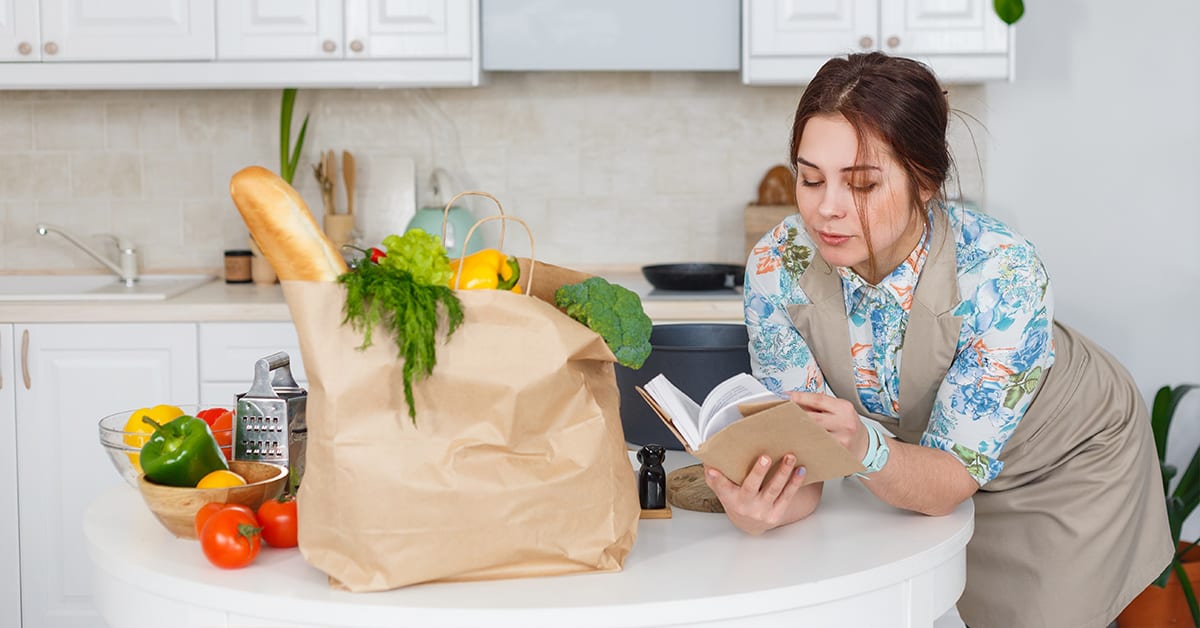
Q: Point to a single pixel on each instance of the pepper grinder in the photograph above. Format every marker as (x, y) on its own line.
(652, 479)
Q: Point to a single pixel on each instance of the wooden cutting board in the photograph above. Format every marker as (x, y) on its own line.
(776, 200)
(760, 219)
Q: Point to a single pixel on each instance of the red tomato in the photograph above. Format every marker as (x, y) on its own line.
(279, 522)
(377, 254)
(220, 421)
(208, 510)
(231, 538)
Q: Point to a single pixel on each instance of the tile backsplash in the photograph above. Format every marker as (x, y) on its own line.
(607, 168)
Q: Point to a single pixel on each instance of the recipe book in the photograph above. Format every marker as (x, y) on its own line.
(739, 420)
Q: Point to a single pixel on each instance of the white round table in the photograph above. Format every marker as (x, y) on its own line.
(854, 562)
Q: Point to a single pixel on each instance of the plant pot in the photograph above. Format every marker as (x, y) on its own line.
(1166, 606)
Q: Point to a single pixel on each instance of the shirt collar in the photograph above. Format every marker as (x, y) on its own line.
(898, 285)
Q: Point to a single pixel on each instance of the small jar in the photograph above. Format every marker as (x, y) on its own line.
(237, 266)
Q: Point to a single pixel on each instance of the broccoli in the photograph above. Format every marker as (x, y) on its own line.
(614, 312)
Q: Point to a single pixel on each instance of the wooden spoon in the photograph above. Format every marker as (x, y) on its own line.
(348, 174)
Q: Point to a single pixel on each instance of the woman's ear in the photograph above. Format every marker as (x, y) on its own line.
(925, 196)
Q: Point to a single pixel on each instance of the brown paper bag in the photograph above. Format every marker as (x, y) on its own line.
(517, 463)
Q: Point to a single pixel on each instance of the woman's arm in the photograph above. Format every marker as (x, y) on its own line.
(923, 479)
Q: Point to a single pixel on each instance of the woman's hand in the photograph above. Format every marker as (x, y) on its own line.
(755, 507)
(838, 417)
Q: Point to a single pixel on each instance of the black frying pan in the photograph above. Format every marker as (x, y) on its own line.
(694, 276)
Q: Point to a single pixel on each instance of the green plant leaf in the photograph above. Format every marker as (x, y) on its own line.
(1188, 593)
(1009, 10)
(287, 101)
(295, 160)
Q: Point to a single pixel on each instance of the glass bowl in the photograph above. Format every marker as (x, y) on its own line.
(123, 448)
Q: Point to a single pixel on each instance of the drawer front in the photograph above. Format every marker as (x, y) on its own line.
(228, 350)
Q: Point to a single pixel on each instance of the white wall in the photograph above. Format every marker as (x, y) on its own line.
(1094, 155)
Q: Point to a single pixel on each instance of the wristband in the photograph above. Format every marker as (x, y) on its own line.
(877, 449)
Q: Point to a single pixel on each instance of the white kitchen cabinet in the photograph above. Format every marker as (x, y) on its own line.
(126, 30)
(279, 29)
(408, 29)
(351, 29)
(20, 35)
(10, 553)
(228, 352)
(787, 41)
(71, 375)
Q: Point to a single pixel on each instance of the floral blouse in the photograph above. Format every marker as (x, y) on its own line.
(1004, 344)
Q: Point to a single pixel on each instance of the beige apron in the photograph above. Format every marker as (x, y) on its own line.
(1075, 525)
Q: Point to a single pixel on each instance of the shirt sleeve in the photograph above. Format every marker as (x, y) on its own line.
(779, 356)
(1005, 349)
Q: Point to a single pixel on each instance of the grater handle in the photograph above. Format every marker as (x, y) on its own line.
(263, 367)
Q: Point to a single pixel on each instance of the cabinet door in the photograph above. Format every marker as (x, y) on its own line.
(811, 27)
(127, 30)
(404, 29)
(79, 373)
(19, 31)
(941, 27)
(10, 554)
(279, 29)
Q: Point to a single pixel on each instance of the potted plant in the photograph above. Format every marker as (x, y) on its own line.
(1171, 599)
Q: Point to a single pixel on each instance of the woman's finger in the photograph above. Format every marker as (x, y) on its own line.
(753, 482)
(720, 484)
(795, 481)
(819, 402)
(780, 478)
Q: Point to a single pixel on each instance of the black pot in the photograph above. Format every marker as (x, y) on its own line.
(695, 357)
(694, 276)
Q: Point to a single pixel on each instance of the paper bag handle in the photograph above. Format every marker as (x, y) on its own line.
(446, 215)
(502, 218)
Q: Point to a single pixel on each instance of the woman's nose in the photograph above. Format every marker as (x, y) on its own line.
(833, 203)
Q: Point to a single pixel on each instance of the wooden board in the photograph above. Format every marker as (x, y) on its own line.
(686, 489)
(760, 219)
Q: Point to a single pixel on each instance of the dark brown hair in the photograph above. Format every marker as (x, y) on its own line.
(893, 99)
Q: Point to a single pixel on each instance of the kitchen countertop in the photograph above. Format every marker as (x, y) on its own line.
(855, 562)
(218, 301)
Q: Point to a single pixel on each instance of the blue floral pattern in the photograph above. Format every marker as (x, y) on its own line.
(1004, 346)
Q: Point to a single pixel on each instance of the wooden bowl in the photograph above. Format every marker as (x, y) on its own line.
(176, 506)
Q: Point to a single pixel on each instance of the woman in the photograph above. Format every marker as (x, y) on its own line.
(880, 300)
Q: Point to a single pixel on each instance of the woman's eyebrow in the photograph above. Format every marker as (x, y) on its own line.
(804, 162)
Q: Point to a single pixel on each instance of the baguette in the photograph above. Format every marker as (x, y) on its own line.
(284, 228)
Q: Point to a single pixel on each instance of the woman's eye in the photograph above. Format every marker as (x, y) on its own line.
(865, 187)
(809, 184)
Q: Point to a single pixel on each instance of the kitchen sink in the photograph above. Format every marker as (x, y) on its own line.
(95, 287)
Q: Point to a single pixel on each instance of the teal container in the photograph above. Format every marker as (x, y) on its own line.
(458, 223)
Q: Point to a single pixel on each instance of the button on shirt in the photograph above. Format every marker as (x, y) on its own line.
(1004, 346)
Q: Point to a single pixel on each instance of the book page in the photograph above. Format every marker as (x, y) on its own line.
(683, 412)
(720, 407)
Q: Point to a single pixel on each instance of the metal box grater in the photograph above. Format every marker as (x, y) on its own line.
(271, 425)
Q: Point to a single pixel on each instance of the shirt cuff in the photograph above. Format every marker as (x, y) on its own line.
(982, 468)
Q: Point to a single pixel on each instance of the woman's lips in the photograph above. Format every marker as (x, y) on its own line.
(832, 239)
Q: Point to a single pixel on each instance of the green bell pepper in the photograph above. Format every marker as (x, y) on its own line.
(181, 452)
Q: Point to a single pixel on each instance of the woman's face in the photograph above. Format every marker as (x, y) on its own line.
(830, 174)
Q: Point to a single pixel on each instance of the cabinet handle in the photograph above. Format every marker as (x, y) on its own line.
(328, 46)
(24, 48)
(893, 41)
(866, 42)
(356, 46)
(51, 48)
(25, 358)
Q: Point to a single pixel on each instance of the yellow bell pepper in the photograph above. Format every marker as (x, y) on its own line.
(161, 414)
(488, 269)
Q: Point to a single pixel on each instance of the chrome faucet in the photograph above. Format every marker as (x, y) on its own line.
(127, 255)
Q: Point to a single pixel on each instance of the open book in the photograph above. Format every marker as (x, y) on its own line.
(697, 422)
(740, 420)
